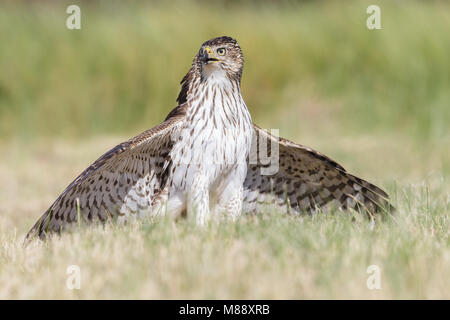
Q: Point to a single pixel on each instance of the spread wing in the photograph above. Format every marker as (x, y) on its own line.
(121, 183)
(305, 181)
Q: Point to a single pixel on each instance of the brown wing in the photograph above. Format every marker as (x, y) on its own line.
(305, 181)
(121, 183)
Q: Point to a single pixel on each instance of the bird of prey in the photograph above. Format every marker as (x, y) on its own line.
(207, 158)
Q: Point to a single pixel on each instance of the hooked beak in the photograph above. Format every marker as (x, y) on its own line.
(208, 56)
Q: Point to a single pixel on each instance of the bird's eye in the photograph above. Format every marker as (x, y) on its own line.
(221, 51)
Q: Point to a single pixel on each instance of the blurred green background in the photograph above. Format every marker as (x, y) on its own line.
(310, 65)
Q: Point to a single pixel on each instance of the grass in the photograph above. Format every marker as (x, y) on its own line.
(375, 101)
(268, 257)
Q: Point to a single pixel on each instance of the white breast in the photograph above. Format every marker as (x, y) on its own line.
(216, 136)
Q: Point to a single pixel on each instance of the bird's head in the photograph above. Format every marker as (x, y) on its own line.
(220, 57)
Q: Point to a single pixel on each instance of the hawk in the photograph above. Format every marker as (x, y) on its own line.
(207, 158)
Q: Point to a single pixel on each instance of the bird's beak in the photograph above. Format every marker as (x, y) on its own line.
(208, 56)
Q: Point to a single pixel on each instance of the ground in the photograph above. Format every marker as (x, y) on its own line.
(268, 256)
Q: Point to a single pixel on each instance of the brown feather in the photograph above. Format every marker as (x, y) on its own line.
(103, 188)
(307, 181)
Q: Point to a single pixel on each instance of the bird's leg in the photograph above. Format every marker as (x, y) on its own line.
(230, 200)
(198, 201)
(232, 207)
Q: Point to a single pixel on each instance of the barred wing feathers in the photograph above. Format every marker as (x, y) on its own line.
(120, 183)
(306, 181)
(125, 180)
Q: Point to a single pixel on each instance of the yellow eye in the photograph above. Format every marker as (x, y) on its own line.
(221, 51)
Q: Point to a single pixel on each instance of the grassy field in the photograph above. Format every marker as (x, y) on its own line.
(378, 102)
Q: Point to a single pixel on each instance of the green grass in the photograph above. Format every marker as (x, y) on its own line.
(269, 256)
(378, 102)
